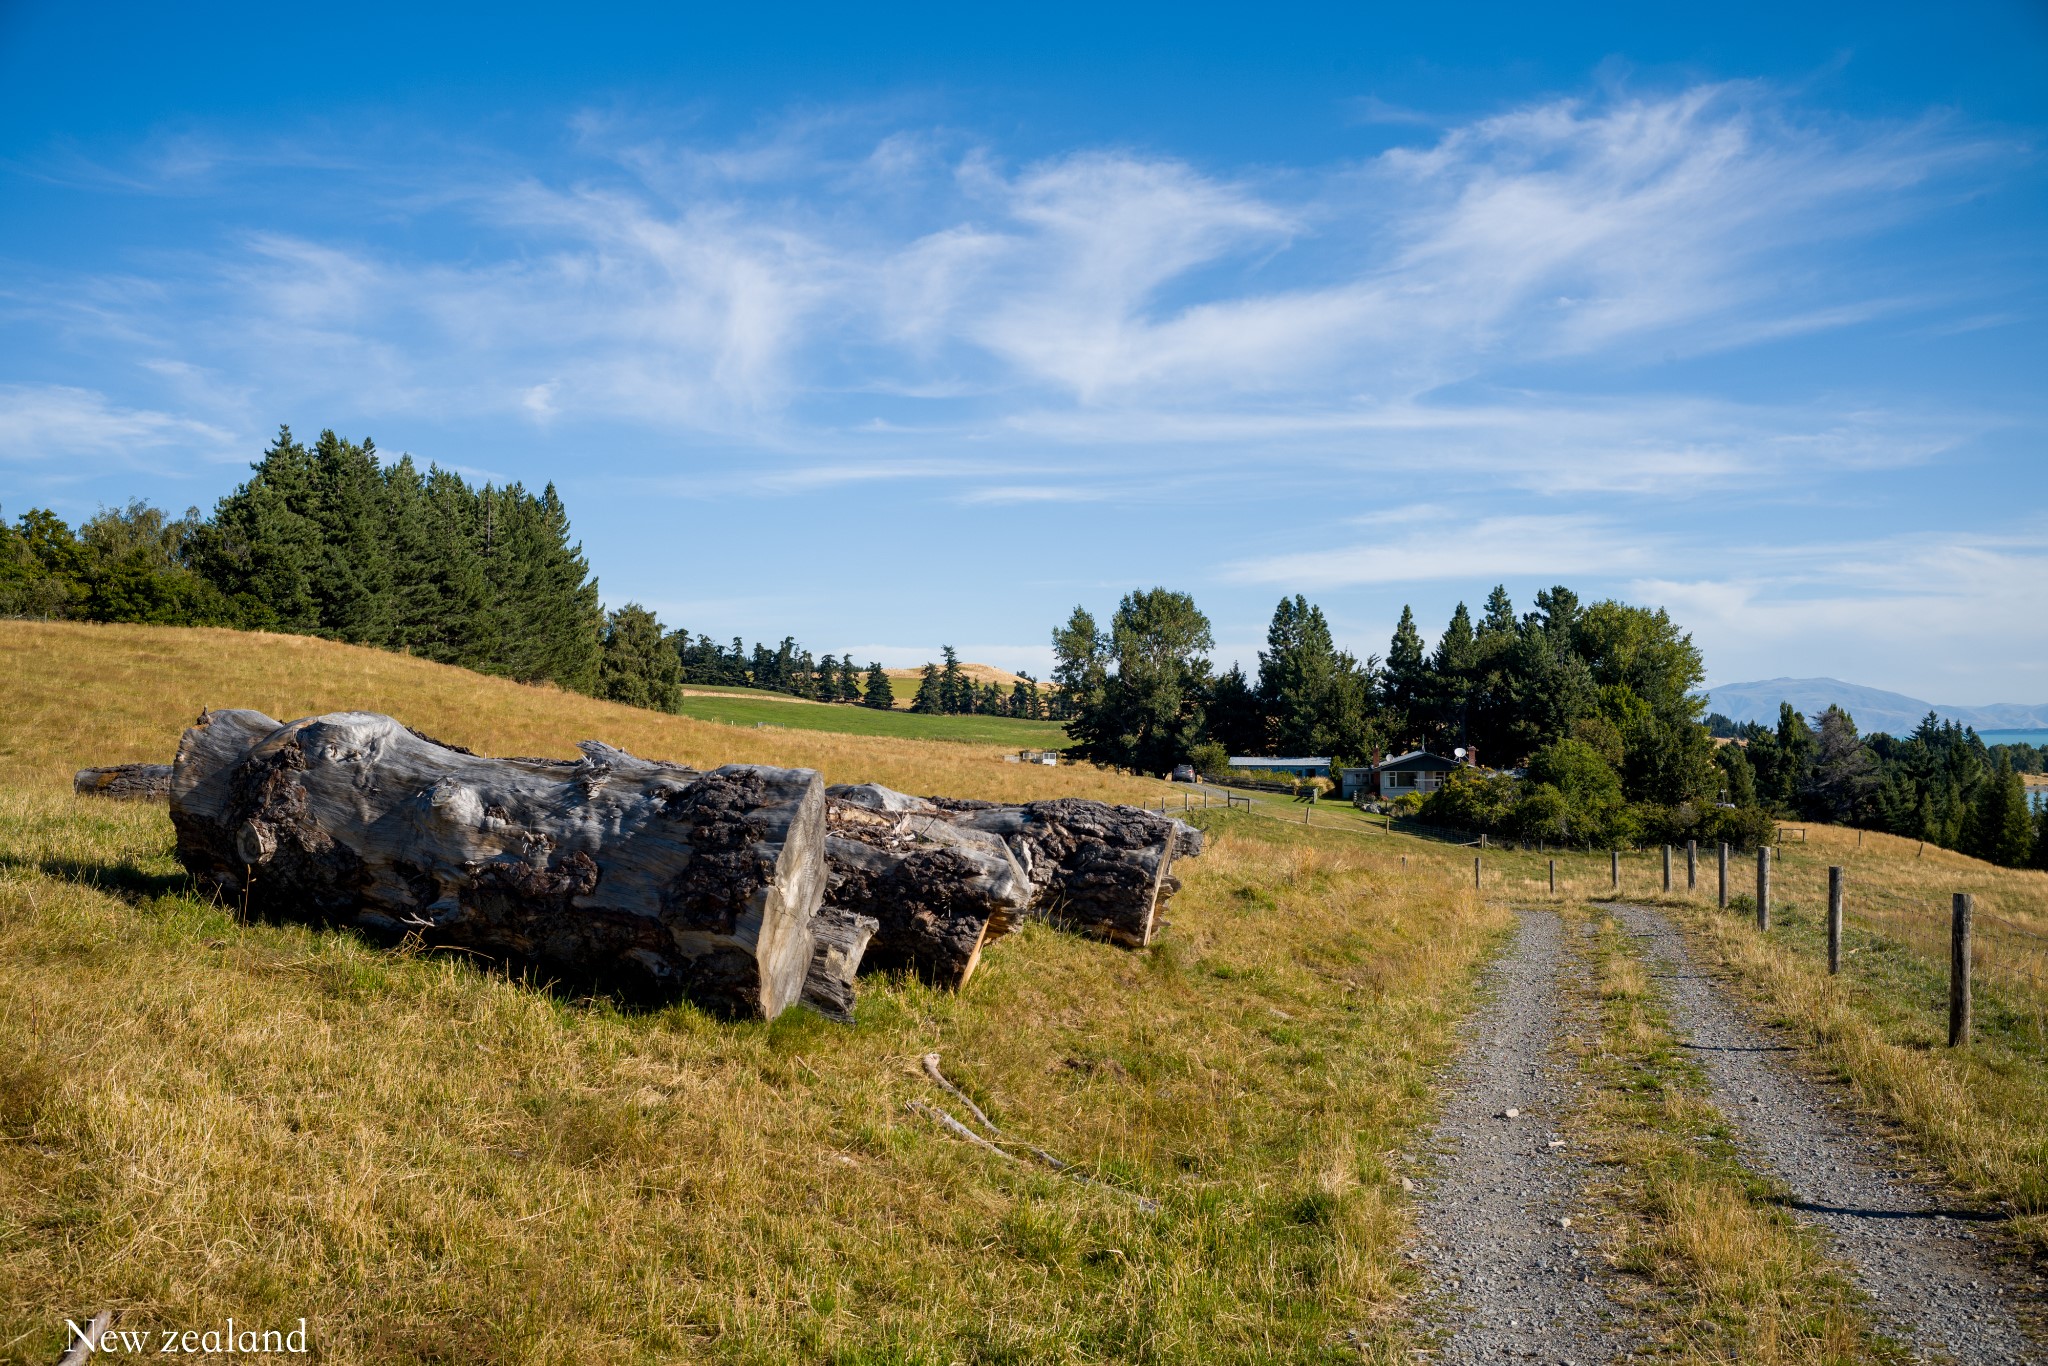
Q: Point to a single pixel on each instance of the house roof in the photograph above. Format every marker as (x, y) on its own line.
(1255, 761)
(1420, 760)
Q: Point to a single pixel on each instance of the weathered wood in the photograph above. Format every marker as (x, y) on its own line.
(1096, 869)
(938, 893)
(1962, 909)
(645, 878)
(125, 782)
(839, 939)
(1834, 920)
(1763, 887)
(1099, 870)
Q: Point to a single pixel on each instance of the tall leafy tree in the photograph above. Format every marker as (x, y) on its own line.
(1080, 663)
(1150, 715)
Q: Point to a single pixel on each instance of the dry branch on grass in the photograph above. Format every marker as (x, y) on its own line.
(959, 1130)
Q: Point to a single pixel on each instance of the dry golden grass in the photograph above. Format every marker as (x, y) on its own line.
(430, 1162)
(1736, 1278)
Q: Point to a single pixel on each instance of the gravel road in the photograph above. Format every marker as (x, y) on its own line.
(1928, 1279)
(1507, 1280)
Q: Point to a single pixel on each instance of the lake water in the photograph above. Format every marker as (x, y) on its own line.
(2013, 737)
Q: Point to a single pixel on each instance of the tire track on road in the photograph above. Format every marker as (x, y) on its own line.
(1928, 1280)
(1506, 1276)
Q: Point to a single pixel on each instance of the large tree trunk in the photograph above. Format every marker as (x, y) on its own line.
(645, 878)
(1099, 870)
(939, 894)
(125, 782)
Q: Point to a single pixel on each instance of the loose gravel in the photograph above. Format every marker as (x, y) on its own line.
(1929, 1282)
(1507, 1278)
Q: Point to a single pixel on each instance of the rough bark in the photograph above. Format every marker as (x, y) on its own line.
(839, 940)
(1099, 870)
(938, 893)
(648, 879)
(125, 782)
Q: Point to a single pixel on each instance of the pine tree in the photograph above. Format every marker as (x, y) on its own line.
(1023, 697)
(350, 575)
(879, 694)
(931, 693)
(956, 690)
(849, 680)
(989, 702)
(261, 548)
(825, 686)
(1407, 676)
(636, 664)
(1999, 828)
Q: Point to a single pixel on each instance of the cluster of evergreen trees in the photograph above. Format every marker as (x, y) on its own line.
(324, 540)
(1941, 784)
(946, 690)
(1596, 702)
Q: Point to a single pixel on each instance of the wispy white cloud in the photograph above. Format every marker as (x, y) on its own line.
(43, 425)
(1450, 547)
(755, 290)
(1967, 602)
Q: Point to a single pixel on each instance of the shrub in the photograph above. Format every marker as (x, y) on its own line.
(1471, 800)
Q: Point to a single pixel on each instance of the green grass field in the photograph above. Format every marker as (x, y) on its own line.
(749, 706)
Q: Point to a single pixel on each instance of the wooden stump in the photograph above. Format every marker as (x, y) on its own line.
(125, 782)
(645, 878)
(839, 940)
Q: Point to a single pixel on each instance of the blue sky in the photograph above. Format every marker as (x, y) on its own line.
(892, 328)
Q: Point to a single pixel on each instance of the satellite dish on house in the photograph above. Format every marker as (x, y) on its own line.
(1458, 753)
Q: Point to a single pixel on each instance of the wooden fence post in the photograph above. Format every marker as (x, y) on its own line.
(1614, 868)
(1834, 920)
(1692, 865)
(1553, 877)
(1763, 886)
(1475, 870)
(1959, 970)
(1724, 874)
(1667, 868)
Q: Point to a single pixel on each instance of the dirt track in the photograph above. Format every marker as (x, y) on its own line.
(1506, 1279)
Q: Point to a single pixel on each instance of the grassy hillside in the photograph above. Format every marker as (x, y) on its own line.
(79, 694)
(432, 1163)
(751, 706)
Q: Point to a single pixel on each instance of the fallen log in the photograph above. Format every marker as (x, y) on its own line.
(649, 879)
(1099, 870)
(938, 893)
(125, 782)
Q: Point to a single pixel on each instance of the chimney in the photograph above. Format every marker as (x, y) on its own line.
(1471, 754)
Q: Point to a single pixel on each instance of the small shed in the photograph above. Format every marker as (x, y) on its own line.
(1418, 771)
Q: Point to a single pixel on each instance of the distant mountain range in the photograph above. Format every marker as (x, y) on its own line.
(1873, 708)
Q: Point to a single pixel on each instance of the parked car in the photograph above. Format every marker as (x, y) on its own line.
(1184, 773)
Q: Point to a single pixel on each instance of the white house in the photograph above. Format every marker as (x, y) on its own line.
(1417, 771)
